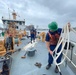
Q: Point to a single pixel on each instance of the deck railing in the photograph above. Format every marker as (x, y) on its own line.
(63, 39)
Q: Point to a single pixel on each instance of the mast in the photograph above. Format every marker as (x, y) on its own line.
(8, 13)
(14, 14)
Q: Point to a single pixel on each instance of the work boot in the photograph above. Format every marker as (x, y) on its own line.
(48, 66)
(56, 69)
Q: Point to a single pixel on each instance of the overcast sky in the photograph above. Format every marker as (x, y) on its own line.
(41, 12)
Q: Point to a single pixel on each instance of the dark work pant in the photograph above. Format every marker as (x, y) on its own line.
(32, 39)
(50, 59)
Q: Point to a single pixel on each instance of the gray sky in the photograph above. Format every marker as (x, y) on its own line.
(41, 12)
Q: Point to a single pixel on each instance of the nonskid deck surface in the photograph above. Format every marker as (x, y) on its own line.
(27, 66)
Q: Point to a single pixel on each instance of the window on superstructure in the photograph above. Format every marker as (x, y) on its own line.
(20, 23)
(16, 27)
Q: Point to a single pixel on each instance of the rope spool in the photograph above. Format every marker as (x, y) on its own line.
(16, 40)
(1, 48)
(42, 34)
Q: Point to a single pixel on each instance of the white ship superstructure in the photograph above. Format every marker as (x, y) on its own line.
(20, 24)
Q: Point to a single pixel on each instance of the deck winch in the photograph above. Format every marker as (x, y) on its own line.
(2, 48)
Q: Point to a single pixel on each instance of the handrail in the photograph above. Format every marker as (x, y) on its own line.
(70, 60)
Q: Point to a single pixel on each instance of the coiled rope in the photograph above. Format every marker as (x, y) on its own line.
(62, 40)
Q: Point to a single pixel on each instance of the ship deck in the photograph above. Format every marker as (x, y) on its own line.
(27, 66)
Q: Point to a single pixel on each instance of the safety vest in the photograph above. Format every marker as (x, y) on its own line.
(32, 32)
(54, 38)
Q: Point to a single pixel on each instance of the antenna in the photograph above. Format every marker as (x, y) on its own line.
(9, 13)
